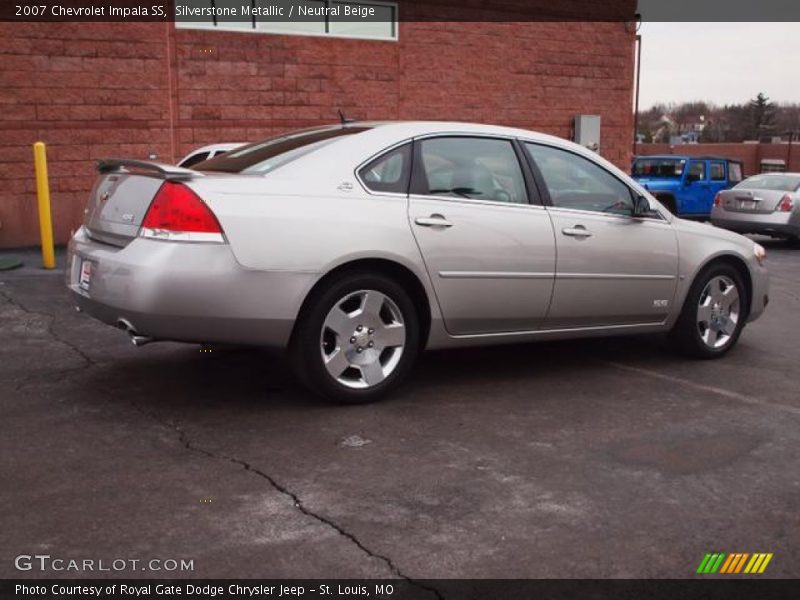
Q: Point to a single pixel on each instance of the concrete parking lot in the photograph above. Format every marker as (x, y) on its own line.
(604, 458)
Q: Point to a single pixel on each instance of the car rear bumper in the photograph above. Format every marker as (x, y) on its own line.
(776, 223)
(189, 292)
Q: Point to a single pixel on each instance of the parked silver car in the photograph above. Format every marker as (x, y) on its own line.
(356, 246)
(768, 203)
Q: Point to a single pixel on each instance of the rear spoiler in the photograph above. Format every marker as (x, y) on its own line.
(110, 165)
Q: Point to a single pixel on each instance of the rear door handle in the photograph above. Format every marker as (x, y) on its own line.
(578, 231)
(433, 221)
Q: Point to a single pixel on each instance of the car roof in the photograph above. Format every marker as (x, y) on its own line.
(418, 128)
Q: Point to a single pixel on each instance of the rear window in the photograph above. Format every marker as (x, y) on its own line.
(778, 183)
(659, 167)
(263, 157)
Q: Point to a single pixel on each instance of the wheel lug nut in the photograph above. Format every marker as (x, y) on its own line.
(353, 340)
(371, 344)
(371, 331)
(359, 349)
(359, 328)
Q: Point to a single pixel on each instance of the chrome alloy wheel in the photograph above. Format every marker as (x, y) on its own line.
(362, 339)
(718, 311)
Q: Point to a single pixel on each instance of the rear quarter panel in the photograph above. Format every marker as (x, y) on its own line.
(315, 233)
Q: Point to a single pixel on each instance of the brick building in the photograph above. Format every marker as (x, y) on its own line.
(100, 89)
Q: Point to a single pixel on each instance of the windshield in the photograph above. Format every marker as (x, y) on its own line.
(263, 157)
(659, 167)
(778, 183)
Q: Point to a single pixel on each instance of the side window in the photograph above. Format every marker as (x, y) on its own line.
(697, 171)
(735, 172)
(717, 171)
(578, 183)
(389, 172)
(467, 167)
(194, 159)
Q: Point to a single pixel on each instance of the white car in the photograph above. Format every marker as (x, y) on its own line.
(355, 246)
(207, 152)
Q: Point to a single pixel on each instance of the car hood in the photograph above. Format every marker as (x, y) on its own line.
(708, 230)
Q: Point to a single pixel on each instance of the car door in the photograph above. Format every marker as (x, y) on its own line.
(697, 189)
(487, 243)
(612, 269)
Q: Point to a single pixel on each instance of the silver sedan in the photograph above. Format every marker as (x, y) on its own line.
(356, 246)
(768, 203)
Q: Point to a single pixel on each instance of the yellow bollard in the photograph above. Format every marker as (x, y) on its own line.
(45, 218)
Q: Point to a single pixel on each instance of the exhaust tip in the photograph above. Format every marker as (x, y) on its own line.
(136, 339)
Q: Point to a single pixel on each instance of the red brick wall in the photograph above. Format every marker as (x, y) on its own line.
(750, 154)
(110, 89)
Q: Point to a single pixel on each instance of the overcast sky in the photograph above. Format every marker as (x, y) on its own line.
(719, 62)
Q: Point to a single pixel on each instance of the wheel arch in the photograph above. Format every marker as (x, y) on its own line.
(388, 268)
(735, 262)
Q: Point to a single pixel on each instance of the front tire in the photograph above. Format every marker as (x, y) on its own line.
(357, 338)
(713, 314)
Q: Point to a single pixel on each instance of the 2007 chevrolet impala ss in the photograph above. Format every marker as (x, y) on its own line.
(355, 246)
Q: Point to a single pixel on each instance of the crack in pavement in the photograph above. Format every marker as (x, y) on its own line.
(88, 361)
(188, 444)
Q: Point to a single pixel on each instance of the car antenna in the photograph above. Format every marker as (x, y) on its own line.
(343, 118)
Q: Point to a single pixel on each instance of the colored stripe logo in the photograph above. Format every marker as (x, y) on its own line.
(734, 563)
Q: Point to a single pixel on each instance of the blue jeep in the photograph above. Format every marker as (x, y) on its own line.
(686, 185)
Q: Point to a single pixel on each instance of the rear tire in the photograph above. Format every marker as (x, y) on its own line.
(356, 339)
(713, 314)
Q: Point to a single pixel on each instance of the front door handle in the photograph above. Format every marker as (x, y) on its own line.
(433, 221)
(578, 231)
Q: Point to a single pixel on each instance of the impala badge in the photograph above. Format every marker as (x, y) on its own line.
(345, 186)
(660, 303)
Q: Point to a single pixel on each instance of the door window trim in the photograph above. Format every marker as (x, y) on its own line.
(545, 191)
(532, 196)
(376, 156)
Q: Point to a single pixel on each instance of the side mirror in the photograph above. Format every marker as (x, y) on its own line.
(642, 208)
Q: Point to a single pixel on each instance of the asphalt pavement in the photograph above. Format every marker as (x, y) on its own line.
(601, 458)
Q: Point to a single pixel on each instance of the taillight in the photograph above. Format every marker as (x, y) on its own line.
(177, 213)
(786, 204)
(718, 199)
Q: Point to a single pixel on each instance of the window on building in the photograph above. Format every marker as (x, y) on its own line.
(369, 19)
(577, 183)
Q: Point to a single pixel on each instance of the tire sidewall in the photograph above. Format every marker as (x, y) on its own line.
(307, 359)
(686, 329)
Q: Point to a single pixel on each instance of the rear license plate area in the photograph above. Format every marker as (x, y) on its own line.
(85, 276)
(747, 205)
